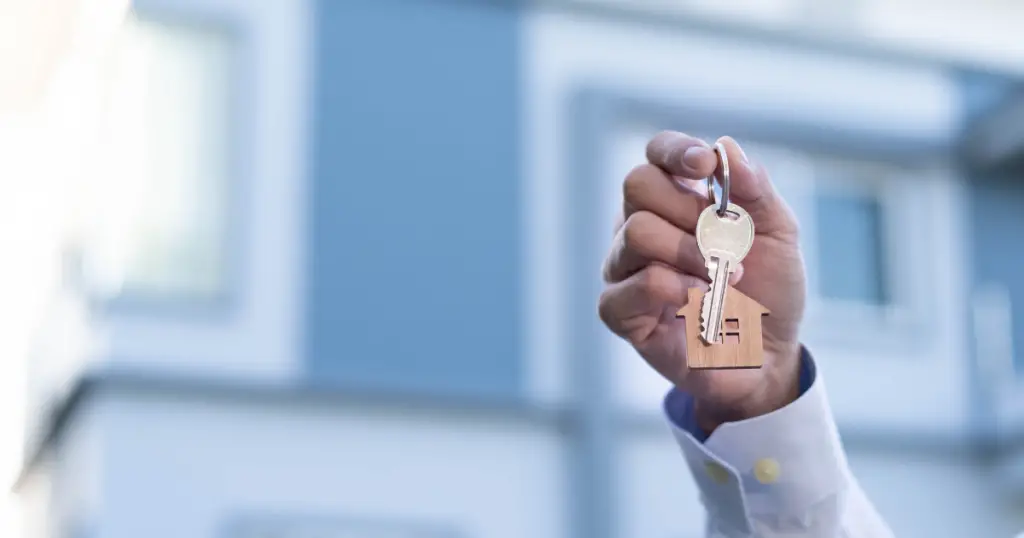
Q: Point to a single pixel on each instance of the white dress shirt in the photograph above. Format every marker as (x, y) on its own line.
(783, 474)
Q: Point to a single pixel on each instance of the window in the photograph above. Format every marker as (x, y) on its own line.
(850, 239)
(864, 226)
(851, 211)
(158, 223)
(730, 333)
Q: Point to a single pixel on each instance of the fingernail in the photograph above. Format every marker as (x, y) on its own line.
(693, 156)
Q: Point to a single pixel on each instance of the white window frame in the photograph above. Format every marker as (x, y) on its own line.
(909, 196)
(255, 331)
(113, 277)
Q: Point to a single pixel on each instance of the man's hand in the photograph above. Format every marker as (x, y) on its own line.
(654, 259)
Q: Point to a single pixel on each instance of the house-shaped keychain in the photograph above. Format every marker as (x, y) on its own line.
(739, 344)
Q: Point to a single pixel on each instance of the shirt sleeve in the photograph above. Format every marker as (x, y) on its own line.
(780, 474)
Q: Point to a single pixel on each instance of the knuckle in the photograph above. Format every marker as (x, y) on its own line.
(692, 256)
(636, 183)
(663, 285)
(663, 144)
(635, 230)
(666, 140)
(658, 282)
(658, 141)
(608, 267)
(604, 307)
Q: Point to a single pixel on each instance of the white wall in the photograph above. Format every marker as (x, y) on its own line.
(157, 466)
(186, 468)
(658, 497)
(984, 33)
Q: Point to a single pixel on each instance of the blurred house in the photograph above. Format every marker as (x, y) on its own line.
(347, 279)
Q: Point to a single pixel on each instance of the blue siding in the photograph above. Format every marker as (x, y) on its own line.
(996, 224)
(982, 93)
(415, 225)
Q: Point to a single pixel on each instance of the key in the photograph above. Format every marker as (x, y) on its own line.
(724, 241)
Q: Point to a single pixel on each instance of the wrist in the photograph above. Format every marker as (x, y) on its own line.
(778, 387)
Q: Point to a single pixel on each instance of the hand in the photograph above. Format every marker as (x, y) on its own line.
(654, 259)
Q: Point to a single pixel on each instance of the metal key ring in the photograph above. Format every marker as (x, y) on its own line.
(723, 158)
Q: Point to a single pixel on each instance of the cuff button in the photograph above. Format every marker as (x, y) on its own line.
(766, 471)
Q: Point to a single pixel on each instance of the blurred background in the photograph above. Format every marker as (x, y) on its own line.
(329, 268)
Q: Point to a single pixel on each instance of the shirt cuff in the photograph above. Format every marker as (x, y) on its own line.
(679, 405)
(780, 464)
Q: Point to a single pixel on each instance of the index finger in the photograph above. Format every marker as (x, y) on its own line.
(681, 155)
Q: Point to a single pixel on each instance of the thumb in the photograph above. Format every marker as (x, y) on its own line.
(751, 188)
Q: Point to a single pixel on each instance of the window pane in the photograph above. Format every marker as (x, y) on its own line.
(168, 119)
(850, 248)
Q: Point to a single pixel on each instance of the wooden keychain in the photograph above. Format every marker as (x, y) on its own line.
(723, 326)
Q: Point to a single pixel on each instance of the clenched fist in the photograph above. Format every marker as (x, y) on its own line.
(654, 259)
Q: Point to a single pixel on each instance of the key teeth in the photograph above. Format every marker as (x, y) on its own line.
(705, 312)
